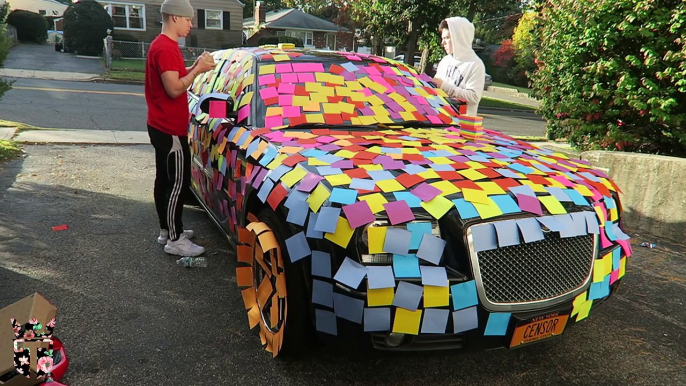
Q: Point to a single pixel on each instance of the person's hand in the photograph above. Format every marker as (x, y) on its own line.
(205, 63)
(438, 82)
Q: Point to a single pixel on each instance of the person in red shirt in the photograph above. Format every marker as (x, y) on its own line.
(166, 82)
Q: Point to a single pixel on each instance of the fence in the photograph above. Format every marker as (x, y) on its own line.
(12, 33)
(138, 50)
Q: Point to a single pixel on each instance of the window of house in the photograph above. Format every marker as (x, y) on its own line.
(213, 19)
(331, 41)
(127, 16)
(306, 36)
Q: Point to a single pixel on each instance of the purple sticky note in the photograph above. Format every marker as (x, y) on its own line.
(358, 214)
(398, 212)
(426, 192)
(529, 204)
(309, 182)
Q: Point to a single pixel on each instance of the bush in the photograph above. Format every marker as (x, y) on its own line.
(525, 45)
(280, 39)
(85, 26)
(612, 75)
(31, 27)
(122, 37)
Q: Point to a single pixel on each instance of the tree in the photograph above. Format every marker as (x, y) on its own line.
(524, 44)
(85, 26)
(31, 27)
(5, 45)
(611, 75)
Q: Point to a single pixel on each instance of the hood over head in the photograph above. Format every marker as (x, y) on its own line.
(462, 36)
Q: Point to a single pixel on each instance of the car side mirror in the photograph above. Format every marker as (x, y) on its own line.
(218, 105)
(459, 105)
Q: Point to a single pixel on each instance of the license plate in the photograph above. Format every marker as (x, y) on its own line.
(538, 328)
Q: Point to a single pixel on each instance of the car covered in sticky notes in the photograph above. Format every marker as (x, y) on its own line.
(359, 201)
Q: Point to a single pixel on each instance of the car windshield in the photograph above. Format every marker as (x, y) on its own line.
(336, 90)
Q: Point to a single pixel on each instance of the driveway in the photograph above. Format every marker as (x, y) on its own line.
(44, 58)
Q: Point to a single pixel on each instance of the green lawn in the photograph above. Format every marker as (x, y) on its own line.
(489, 102)
(9, 149)
(521, 89)
(134, 64)
(126, 75)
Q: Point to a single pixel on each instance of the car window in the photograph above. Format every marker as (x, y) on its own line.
(337, 91)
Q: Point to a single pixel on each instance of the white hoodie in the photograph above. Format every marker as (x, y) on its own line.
(463, 73)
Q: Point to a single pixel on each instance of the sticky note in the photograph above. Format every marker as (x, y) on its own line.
(418, 230)
(601, 267)
(294, 176)
(530, 204)
(434, 276)
(348, 308)
(407, 322)
(350, 273)
(380, 297)
(406, 266)
(309, 182)
(398, 212)
(358, 214)
(484, 237)
(325, 321)
(375, 201)
(531, 230)
(343, 233)
(431, 248)
(599, 290)
(407, 296)
(507, 232)
(506, 204)
(436, 296)
(438, 207)
(376, 237)
(465, 320)
(381, 277)
(327, 220)
(435, 321)
(552, 204)
(322, 293)
(297, 213)
(523, 190)
(411, 200)
(465, 209)
(497, 324)
(584, 310)
(464, 295)
(397, 241)
(339, 179)
(377, 319)
(426, 192)
(592, 223)
(321, 264)
(318, 197)
(388, 186)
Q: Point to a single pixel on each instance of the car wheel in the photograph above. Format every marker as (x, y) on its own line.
(276, 299)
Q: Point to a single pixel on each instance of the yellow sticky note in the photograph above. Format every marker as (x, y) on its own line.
(317, 162)
(473, 195)
(247, 98)
(622, 267)
(331, 108)
(375, 101)
(601, 215)
(347, 108)
(315, 118)
(281, 58)
(407, 322)
(339, 179)
(342, 235)
(614, 214)
(380, 297)
(446, 187)
(599, 269)
(438, 207)
(389, 186)
(584, 190)
(584, 310)
(322, 96)
(376, 237)
(278, 161)
(555, 183)
(354, 85)
(552, 204)
(407, 116)
(249, 80)
(441, 160)
(475, 165)
(489, 210)
(436, 296)
(472, 174)
(343, 91)
(313, 87)
(375, 201)
(318, 196)
(267, 69)
(294, 176)
(429, 174)
(301, 101)
(538, 188)
(366, 120)
(491, 188)
(345, 154)
(579, 300)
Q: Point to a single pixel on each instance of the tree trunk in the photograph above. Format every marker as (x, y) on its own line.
(378, 47)
(472, 9)
(411, 43)
(424, 63)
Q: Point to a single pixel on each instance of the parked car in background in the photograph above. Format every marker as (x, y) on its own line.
(357, 205)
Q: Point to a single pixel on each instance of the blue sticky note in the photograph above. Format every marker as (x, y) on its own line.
(297, 247)
(265, 190)
(521, 168)
(408, 295)
(343, 196)
(435, 276)
(244, 138)
(411, 200)
(295, 196)
(579, 220)
(322, 293)
(576, 197)
(362, 184)
(600, 290)
(484, 237)
(350, 273)
(397, 241)
(350, 67)
(414, 169)
(543, 168)
(617, 231)
(552, 223)
(497, 324)
(616, 258)
(465, 208)
(348, 308)
(380, 277)
(380, 175)
(418, 230)
(442, 168)
(465, 320)
(297, 214)
(314, 153)
(330, 158)
(431, 248)
(524, 189)
(406, 266)
(478, 158)
(507, 173)
(325, 321)
(506, 203)
(311, 232)
(327, 221)
(435, 321)
(590, 176)
(328, 170)
(531, 229)
(567, 225)
(508, 233)
(377, 319)
(592, 223)
(609, 203)
(269, 155)
(558, 193)
(277, 173)
(321, 264)
(464, 295)
(609, 232)
(252, 147)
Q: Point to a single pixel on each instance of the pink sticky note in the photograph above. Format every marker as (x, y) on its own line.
(372, 70)
(426, 192)
(269, 92)
(307, 77)
(529, 204)
(267, 79)
(285, 100)
(283, 67)
(316, 67)
(300, 67)
(217, 109)
(614, 276)
(274, 121)
(353, 57)
(564, 181)
(243, 112)
(398, 212)
(434, 119)
(626, 247)
(287, 88)
(367, 92)
(358, 214)
(604, 241)
(289, 78)
(309, 182)
(291, 111)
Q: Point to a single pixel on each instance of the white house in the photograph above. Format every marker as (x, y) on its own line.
(43, 7)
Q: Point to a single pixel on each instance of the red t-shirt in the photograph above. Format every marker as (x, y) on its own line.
(169, 115)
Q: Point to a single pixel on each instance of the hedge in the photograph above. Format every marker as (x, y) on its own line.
(280, 39)
(31, 27)
(85, 26)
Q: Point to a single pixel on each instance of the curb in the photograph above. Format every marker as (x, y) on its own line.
(522, 110)
(118, 81)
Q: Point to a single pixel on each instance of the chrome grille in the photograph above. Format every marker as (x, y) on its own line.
(535, 272)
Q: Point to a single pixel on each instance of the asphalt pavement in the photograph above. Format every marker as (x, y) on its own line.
(129, 316)
(43, 57)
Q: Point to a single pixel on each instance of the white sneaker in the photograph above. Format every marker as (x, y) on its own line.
(183, 247)
(164, 235)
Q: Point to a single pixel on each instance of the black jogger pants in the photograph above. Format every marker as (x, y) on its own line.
(172, 179)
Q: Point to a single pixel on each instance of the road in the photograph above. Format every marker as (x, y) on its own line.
(102, 106)
(129, 316)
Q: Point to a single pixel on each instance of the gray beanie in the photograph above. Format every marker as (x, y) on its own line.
(181, 8)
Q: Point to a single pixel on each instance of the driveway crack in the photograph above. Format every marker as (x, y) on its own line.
(95, 123)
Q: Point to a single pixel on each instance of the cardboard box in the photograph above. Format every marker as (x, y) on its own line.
(33, 306)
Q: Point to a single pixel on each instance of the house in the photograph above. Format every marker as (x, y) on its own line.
(314, 31)
(43, 7)
(217, 23)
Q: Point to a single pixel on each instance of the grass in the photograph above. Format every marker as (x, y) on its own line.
(490, 102)
(520, 89)
(126, 75)
(134, 65)
(9, 149)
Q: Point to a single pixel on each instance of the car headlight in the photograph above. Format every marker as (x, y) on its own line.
(387, 258)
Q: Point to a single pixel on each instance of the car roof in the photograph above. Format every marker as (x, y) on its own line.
(302, 54)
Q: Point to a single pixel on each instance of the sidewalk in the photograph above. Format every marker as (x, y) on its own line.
(83, 136)
(511, 98)
(48, 75)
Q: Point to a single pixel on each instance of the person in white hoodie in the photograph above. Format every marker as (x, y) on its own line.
(461, 73)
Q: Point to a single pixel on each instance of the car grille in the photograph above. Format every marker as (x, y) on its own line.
(534, 272)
